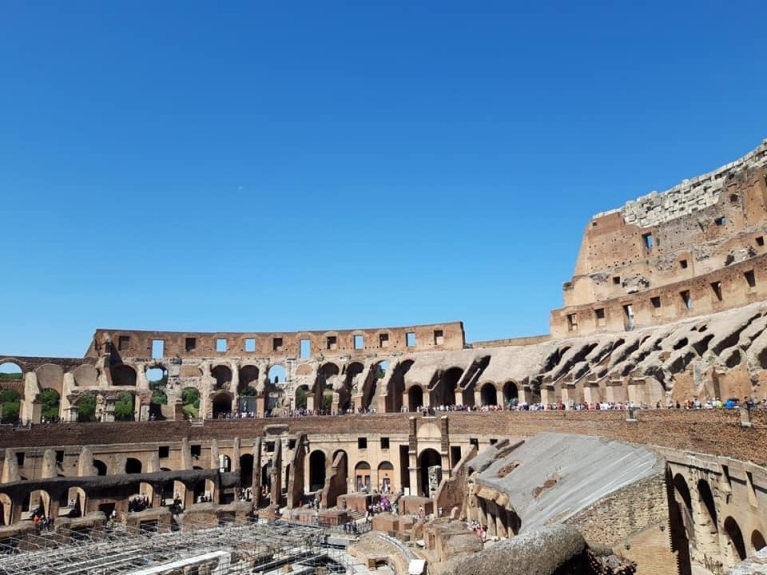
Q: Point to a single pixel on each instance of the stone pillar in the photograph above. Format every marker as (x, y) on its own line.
(108, 413)
(415, 484)
(276, 475)
(444, 429)
(186, 454)
(236, 454)
(49, 464)
(256, 484)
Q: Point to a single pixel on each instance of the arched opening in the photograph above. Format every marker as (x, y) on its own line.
(37, 503)
(10, 371)
(158, 383)
(73, 502)
(101, 467)
(86, 408)
(124, 375)
(248, 381)
(10, 402)
(276, 374)
(385, 477)
(372, 383)
(50, 405)
(396, 390)
(415, 398)
(510, 394)
(246, 470)
(132, 465)
(85, 376)
(707, 497)
(190, 402)
(200, 495)
(362, 477)
(222, 404)
(266, 475)
(353, 382)
(757, 540)
(444, 391)
(489, 395)
(6, 509)
(735, 536)
(430, 466)
(317, 466)
(683, 499)
(50, 376)
(302, 392)
(224, 463)
(223, 376)
(124, 407)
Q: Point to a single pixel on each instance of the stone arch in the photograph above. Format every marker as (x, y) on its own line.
(37, 499)
(123, 375)
(248, 378)
(246, 470)
(444, 392)
(317, 470)
(415, 397)
(222, 404)
(191, 402)
(707, 498)
(125, 407)
(223, 376)
(757, 540)
(86, 407)
(683, 499)
(6, 509)
(427, 458)
(489, 394)
(50, 376)
(86, 376)
(302, 392)
(75, 501)
(132, 465)
(11, 371)
(395, 392)
(224, 463)
(735, 537)
(51, 403)
(372, 381)
(277, 374)
(362, 477)
(385, 477)
(510, 393)
(101, 467)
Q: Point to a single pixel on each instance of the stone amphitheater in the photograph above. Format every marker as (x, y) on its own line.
(630, 439)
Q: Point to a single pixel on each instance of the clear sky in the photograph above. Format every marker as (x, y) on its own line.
(264, 166)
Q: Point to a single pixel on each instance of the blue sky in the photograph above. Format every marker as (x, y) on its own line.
(263, 166)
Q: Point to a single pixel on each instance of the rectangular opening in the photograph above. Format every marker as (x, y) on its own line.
(439, 337)
(410, 339)
(383, 340)
(751, 490)
(359, 341)
(332, 342)
(146, 527)
(628, 310)
(720, 221)
(600, 315)
(190, 344)
(196, 450)
(250, 344)
(20, 458)
(683, 264)
(221, 346)
(686, 299)
(362, 443)
(163, 451)
(123, 342)
(474, 441)
(291, 443)
(60, 456)
(455, 455)
(655, 301)
(269, 446)
(384, 443)
(572, 321)
(158, 349)
(493, 441)
(617, 280)
(760, 241)
(647, 240)
(716, 287)
(750, 278)
(277, 344)
(305, 349)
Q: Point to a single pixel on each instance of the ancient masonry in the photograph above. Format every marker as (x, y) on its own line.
(666, 303)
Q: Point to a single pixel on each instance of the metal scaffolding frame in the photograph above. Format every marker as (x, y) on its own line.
(253, 547)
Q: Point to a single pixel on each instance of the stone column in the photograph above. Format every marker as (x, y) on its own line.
(415, 484)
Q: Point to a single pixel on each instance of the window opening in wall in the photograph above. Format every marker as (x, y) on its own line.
(250, 344)
(158, 349)
(493, 441)
(196, 450)
(572, 321)
(734, 198)
(410, 339)
(760, 241)
(163, 451)
(305, 349)
(384, 443)
(221, 346)
(332, 342)
(683, 264)
(439, 337)
(716, 287)
(291, 443)
(648, 241)
(474, 441)
(655, 301)
(362, 443)
(359, 341)
(190, 344)
(600, 315)
(277, 344)
(617, 280)
(123, 342)
(20, 458)
(383, 340)
(750, 278)
(686, 299)
(60, 457)
(720, 221)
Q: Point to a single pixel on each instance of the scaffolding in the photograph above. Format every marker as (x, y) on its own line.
(228, 549)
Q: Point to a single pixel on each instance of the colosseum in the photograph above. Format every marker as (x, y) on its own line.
(630, 439)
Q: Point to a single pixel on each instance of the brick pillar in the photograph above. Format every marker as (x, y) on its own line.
(415, 484)
(444, 429)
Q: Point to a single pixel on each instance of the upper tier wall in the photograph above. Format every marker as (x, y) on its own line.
(303, 344)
